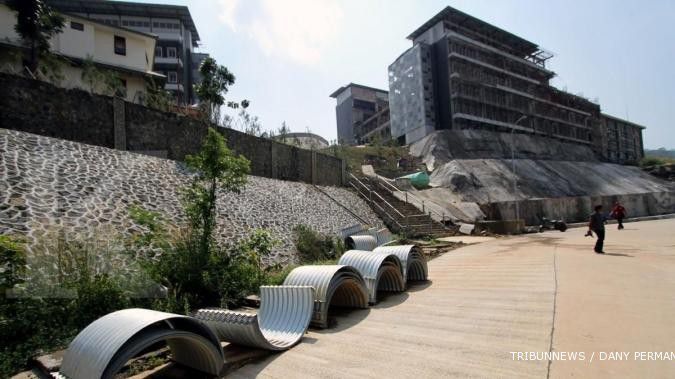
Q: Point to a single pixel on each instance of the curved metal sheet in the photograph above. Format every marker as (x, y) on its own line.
(337, 285)
(381, 271)
(361, 242)
(383, 236)
(102, 348)
(412, 260)
(283, 317)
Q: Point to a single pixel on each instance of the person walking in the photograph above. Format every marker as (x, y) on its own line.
(596, 223)
(619, 213)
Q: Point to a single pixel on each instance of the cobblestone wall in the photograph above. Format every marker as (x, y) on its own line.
(50, 183)
(37, 107)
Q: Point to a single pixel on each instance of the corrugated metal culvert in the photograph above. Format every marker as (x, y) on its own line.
(381, 271)
(413, 262)
(334, 285)
(383, 236)
(283, 318)
(361, 242)
(102, 348)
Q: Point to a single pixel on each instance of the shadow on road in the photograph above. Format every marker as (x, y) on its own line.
(618, 255)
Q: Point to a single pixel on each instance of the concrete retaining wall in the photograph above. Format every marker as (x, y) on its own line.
(578, 209)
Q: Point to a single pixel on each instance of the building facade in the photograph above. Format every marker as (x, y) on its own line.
(463, 73)
(361, 112)
(84, 43)
(177, 36)
(622, 140)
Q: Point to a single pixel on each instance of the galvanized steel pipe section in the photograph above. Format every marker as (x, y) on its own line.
(102, 348)
(283, 318)
(361, 242)
(333, 285)
(383, 236)
(412, 260)
(381, 271)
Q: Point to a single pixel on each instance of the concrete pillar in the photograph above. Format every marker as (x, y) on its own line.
(314, 179)
(119, 124)
(273, 159)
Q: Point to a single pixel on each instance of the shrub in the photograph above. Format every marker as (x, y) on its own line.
(313, 246)
(651, 161)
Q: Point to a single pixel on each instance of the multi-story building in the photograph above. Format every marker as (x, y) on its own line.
(622, 140)
(177, 35)
(463, 73)
(361, 113)
(85, 45)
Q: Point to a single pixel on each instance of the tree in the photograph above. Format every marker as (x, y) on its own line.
(215, 83)
(215, 167)
(282, 132)
(36, 23)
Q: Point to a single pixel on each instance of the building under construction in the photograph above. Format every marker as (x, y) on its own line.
(463, 73)
(362, 114)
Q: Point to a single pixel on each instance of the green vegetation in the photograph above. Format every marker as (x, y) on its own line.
(216, 80)
(383, 158)
(315, 247)
(655, 161)
(36, 23)
(102, 81)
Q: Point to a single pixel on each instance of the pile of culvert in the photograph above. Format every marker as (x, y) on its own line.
(413, 262)
(381, 271)
(334, 285)
(103, 348)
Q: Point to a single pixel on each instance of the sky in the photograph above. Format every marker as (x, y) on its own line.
(288, 56)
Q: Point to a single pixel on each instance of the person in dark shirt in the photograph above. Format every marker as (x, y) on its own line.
(619, 213)
(597, 225)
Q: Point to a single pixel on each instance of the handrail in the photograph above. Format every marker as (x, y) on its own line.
(391, 188)
(390, 206)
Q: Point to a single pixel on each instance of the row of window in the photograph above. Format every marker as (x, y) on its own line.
(171, 52)
(171, 76)
(140, 24)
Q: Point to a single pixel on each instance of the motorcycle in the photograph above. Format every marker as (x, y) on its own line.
(547, 224)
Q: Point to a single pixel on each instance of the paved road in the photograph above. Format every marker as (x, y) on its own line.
(535, 293)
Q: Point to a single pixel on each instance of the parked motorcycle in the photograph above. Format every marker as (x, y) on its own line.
(547, 224)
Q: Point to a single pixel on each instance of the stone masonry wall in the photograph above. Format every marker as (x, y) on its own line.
(48, 183)
(38, 107)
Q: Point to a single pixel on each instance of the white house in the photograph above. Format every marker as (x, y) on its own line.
(127, 53)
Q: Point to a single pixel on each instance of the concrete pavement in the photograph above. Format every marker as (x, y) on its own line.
(534, 293)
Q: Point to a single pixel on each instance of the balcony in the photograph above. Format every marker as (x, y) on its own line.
(173, 87)
(169, 36)
(174, 61)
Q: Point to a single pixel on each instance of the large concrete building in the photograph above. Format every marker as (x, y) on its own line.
(177, 36)
(361, 112)
(463, 73)
(110, 49)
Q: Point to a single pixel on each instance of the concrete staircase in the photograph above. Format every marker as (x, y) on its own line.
(401, 217)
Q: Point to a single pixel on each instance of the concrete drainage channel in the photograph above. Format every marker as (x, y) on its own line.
(102, 349)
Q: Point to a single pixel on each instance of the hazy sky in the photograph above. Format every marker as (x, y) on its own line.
(289, 55)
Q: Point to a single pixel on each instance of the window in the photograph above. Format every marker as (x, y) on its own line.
(76, 25)
(159, 52)
(172, 77)
(120, 45)
(125, 23)
(171, 52)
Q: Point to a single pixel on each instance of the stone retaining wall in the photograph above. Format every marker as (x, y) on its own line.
(48, 183)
